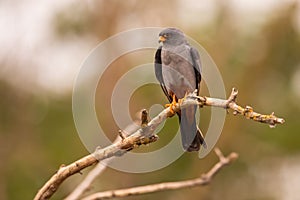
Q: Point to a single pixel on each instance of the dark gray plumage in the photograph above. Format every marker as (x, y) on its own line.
(178, 69)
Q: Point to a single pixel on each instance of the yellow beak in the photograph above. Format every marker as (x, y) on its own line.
(161, 39)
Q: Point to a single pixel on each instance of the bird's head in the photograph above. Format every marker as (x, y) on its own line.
(172, 36)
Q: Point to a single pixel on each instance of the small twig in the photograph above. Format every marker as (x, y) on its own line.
(122, 136)
(144, 118)
(200, 181)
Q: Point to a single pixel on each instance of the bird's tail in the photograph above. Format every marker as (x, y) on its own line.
(191, 135)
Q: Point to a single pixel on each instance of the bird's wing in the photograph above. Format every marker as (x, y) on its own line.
(158, 72)
(197, 66)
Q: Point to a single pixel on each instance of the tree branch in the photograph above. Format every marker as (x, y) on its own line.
(248, 112)
(101, 166)
(203, 180)
(85, 184)
(144, 135)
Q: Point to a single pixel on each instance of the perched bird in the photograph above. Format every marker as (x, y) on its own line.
(178, 70)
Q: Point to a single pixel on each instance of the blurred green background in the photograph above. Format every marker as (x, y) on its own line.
(255, 44)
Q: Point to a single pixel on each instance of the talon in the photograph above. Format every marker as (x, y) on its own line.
(170, 105)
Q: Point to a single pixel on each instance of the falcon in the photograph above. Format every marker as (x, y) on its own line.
(178, 70)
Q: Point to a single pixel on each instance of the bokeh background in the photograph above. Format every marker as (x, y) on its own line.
(255, 44)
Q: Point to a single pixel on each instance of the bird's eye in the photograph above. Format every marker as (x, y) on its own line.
(166, 35)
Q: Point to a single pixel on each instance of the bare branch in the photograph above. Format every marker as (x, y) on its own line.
(248, 112)
(203, 180)
(85, 184)
(144, 135)
(101, 166)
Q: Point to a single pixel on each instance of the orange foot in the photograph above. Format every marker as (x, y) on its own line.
(170, 105)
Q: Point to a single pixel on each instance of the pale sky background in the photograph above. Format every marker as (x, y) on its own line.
(27, 37)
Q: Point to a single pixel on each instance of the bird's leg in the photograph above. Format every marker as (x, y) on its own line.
(170, 105)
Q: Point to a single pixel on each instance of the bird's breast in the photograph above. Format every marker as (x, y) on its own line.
(178, 73)
(169, 56)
